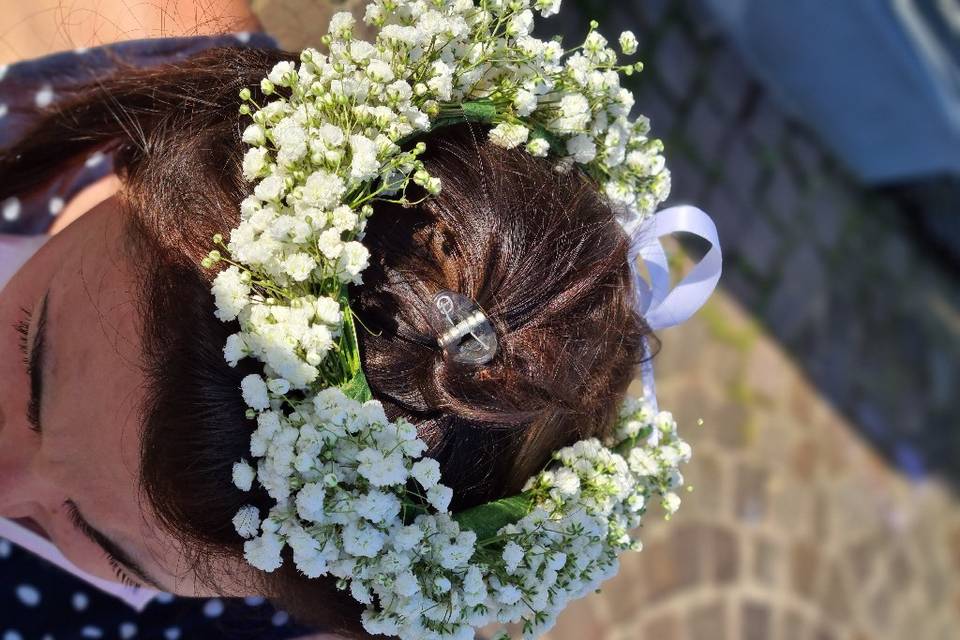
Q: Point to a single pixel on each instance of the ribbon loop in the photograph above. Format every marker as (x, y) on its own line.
(661, 306)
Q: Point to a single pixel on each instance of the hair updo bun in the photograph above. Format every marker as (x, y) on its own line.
(539, 251)
(544, 257)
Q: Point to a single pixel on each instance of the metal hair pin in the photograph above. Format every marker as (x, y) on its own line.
(464, 331)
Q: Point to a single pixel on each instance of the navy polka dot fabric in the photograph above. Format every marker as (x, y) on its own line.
(29, 86)
(38, 601)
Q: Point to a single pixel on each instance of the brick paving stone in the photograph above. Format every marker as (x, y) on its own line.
(755, 620)
(689, 181)
(764, 359)
(654, 12)
(727, 84)
(705, 475)
(729, 213)
(793, 626)
(707, 131)
(676, 63)
(662, 113)
(751, 494)
(723, 555)
(834, 599)
(742, 172)
(782, 199)
(800, 300)
(579, 621)
(767, 557)
(805, 566)
(762, 246)
(708, 622)
(629, 587)
(663, 627)
(824, 633)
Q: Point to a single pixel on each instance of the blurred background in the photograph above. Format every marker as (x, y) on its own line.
(824, 139)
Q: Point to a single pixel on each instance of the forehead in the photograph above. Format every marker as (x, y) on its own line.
(93, 378)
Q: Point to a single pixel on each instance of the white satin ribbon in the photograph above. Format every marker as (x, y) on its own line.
(661, 306)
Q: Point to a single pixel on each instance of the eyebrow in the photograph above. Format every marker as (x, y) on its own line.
(36, 366)
(111, 548)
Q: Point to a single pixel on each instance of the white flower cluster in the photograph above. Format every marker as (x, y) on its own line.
(340, 473)
(354, 498)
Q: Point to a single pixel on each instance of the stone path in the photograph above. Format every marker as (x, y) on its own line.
(825, 368)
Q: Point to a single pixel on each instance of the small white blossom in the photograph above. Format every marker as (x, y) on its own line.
(255, 163)
(426, 472)
(538, 147)
(263, 552)
(628, 43)
(231, 292)
(582, 148)
(247, 521)
(439, 497)
(235, 349)
(509, 135)
(243, 475)
(255, 392)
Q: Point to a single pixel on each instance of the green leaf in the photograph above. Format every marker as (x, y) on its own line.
(486, 519)
(357, 387)
(479, 111)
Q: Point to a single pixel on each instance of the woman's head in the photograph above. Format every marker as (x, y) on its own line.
(539, 250)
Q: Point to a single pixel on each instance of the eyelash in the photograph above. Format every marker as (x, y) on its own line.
(22, 326)
(122, 575)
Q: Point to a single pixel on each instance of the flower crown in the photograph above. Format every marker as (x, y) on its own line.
(355, 497)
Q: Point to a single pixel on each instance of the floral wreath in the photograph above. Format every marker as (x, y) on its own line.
(355, 497)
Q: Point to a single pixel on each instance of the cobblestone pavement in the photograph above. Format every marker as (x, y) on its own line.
(823, 503)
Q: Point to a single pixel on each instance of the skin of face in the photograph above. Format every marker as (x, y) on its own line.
(90, 416)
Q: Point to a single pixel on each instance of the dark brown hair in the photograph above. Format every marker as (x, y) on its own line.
(538, 250)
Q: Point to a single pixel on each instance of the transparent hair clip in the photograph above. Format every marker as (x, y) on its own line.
(463, 330)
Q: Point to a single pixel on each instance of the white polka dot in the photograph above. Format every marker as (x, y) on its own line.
(47, 636)
(3, 70)
(80, 601)
(5, 548)
(3, 110)
(242, 36)
(11, 209)
(81, 50)
(280, 618)
(91, 631)
(172, 633)
(28, 595)
(213, 608)
(94, 159)
(128, 630)
(12, 635)
(254, 601)
(164, 598)
(44, 97)
(56, 205)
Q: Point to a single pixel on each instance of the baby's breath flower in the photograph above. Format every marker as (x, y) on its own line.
(509, 135)
(326, 146)
(247, 521)
(243, 475)
(628, 43)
